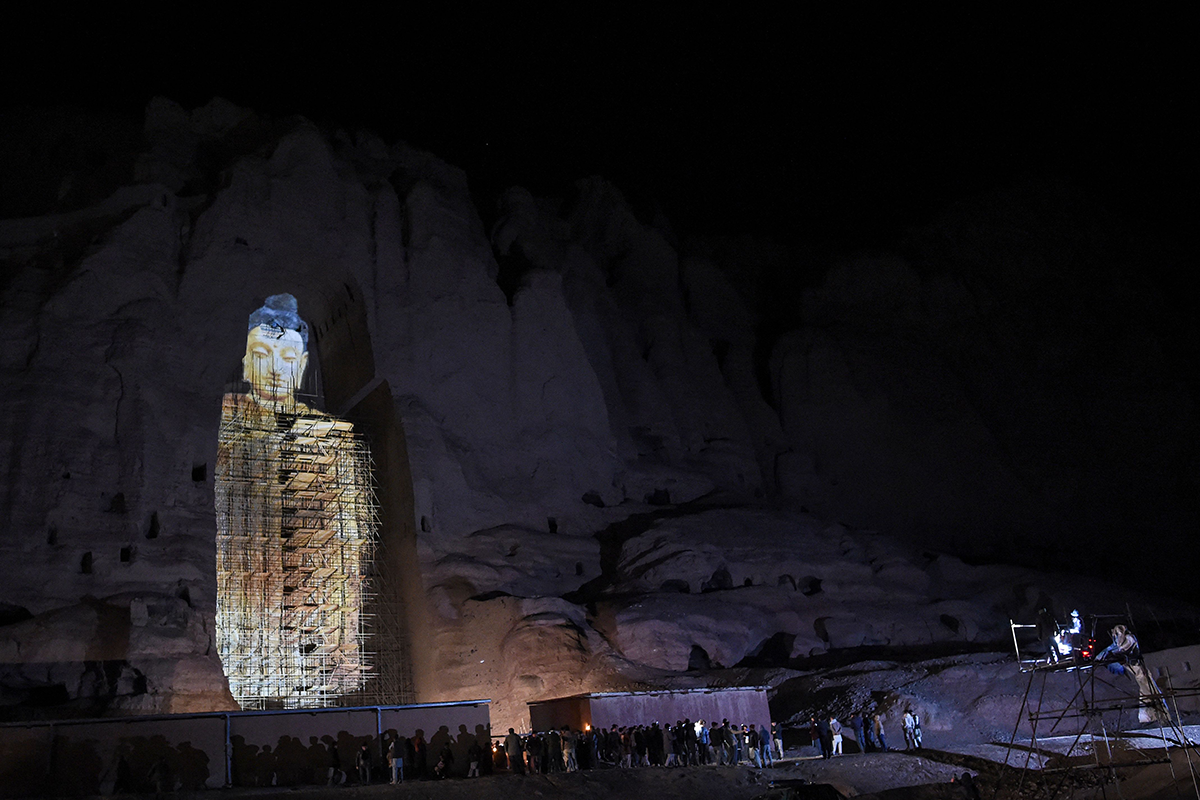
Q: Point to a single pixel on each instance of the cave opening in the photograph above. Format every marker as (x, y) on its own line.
(773, 652)
(698, 659)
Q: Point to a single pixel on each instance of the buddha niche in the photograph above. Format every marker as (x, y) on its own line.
(295, 524)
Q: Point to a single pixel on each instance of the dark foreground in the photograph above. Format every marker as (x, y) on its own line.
(883, 776)
(847, 776)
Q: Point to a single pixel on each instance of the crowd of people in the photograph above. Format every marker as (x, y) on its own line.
(399, 758)
(827, 733)
(686, 744)
(682, 744)
(406, 756)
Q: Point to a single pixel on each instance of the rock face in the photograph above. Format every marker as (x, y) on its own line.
(129, 652)
(550, 401)
(962, 700)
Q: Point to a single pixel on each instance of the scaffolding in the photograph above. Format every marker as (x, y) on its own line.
(1089, 731)
(297, 523)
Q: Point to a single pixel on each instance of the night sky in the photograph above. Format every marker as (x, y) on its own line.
(840, 129)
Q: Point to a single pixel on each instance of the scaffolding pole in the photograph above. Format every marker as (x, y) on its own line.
(1054, 770)
(297, 526)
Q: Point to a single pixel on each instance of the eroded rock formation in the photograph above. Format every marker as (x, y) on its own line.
(592, 466)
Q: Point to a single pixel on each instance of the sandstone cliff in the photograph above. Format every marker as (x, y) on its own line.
(596, 469)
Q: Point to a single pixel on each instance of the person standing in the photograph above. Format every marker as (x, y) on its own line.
(420, 755)
(765, 746)
(879, 735)
(690, 744)
(410, 754)
(612, 741)
(835, 729)
(555, 760)
(515, 752)
(533, 752)
(363, 761)
(1047, 630)
(668, 738)
(474, 754)
(654, 744)
(335, 764)
(445, 762)
(868, 739)
(395, 760)
(664, 745)
(568, 749)
(825, 736)
(814, 733)
(856, 722)
(640, 747)
(777, 740)
(909, 726)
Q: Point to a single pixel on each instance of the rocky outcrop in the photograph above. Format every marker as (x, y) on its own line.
(965, 702)
(735, 583)
(127, 654)
(698, 594)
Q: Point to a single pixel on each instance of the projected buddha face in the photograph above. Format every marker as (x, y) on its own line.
(274, 363)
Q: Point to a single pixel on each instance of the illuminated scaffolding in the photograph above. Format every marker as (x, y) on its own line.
(297, 522)
(1091, 726)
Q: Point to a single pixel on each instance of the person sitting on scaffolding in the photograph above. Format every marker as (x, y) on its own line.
(1124, 648)
(1125, 659)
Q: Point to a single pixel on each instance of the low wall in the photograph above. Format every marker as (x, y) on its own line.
(571, 712)
(737, 705)
(740, 705)
(1177, 669)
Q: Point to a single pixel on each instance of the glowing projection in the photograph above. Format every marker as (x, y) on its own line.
(295, 526)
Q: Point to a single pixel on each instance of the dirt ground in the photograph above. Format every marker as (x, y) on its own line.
(849, 775)
(802, 776)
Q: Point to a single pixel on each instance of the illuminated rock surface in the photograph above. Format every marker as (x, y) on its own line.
(561, 385)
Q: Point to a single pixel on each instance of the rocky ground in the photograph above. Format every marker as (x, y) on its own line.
(932, 775)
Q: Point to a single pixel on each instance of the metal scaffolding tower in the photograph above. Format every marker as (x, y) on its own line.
(297, 526)
(1088, 732)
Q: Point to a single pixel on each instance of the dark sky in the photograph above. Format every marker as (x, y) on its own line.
(848, 126)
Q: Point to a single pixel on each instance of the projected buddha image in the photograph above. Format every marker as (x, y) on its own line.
(295, 523)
